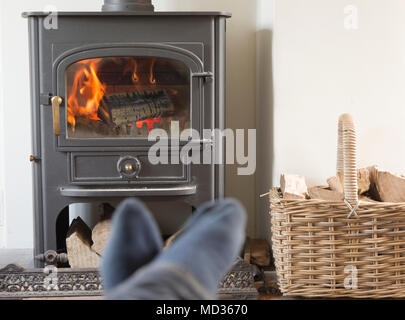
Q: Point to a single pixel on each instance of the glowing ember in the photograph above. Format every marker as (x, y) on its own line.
(149, 123)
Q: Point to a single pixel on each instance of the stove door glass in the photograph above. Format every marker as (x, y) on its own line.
(126, 97)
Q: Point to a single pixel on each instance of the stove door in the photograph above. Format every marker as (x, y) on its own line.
(115, 96)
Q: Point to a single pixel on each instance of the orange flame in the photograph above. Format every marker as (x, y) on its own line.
(87, 90)
(132, 67)
(86, 93)
(152, 79)
(149, 123)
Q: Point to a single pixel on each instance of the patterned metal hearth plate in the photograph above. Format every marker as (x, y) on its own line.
(19, 283)
(239, 283)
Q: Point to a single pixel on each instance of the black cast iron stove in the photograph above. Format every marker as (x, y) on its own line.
(100, 82)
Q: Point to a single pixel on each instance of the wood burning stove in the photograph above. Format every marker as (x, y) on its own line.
(100, 82)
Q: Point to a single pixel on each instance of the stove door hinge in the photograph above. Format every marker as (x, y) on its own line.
(45, 99)
(206, 76)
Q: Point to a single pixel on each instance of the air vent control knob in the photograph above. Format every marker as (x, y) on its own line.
(129, 167)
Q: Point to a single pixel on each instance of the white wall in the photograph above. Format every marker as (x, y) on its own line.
(249, 18)
(323, 70)
(264, 114)
(2, 217)
(15, 136)
(241, 81)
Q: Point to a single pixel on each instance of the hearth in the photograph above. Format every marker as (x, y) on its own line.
(100, 82)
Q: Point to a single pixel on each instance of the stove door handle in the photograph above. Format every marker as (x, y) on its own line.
(204, 75)
(56, 102)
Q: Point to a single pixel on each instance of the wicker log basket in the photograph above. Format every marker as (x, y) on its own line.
(339, 249)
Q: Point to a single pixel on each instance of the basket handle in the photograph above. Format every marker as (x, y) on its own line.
(346, 158)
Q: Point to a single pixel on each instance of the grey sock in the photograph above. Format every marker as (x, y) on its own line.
(134, 242)
(210, 243)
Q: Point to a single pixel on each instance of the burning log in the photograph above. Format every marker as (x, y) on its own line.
(86, 127)
(78, 245)
(104, 114)
(126, 108)
(138, 132)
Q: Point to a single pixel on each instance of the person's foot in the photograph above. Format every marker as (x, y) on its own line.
(134, 242)
(210, 243)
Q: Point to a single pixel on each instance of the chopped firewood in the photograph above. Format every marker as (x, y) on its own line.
(102, 230)
(367, 199)
(271, 279)
(335, 185)
(324, 193)
(387, 186)
(172, 239)
(108, 211)
(100, 236)
(373, 186)
(259, 284)
(293, 186)
(78, 245)
(363, 182)
(259, 252)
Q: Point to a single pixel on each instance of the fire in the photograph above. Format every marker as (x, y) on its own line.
(132, 67)
(86, 93)
(152, 79)
(87, 90)
(149, 123)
